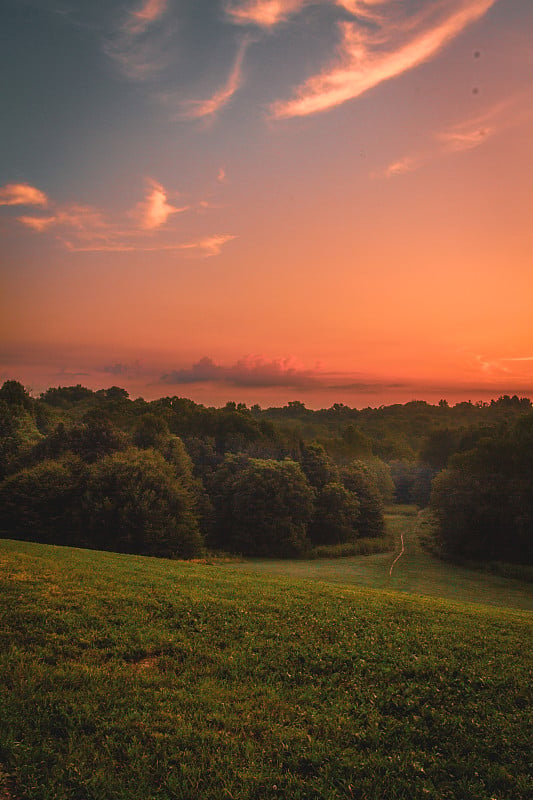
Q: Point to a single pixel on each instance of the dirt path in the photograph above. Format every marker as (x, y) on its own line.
(400, 554)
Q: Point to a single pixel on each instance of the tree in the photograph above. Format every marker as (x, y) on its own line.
(14, 394)
(438, 446)
(18, 435)
(41, 503)
(358, 479)
(483, 502)
(134, 503)
(151, 431)
(91, 439)
(412, 482)
(381, 477)
(66, 396)
(262, 507)
(318, 467)
(335, 516)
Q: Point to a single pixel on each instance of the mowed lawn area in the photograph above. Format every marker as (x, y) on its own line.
(133, 678)
(416, 572)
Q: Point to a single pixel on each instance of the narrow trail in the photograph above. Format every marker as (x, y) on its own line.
(400, 554)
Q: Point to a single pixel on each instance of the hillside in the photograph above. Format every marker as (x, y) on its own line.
(135, 678)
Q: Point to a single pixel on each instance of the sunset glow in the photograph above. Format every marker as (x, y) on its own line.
(269, 200)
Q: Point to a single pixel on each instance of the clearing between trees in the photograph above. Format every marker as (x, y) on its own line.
(417, 572)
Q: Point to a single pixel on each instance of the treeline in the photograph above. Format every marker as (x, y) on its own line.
(117, 476)
(173, 477)
(483, 501)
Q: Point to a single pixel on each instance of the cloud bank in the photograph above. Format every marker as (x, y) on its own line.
(250, 371)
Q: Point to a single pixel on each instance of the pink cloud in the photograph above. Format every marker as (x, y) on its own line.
(367, 57)
(203, 247)
(264, 13)
(198, 109)
(154, 211)
(138, 45)
(209, 245)
(475, 131)
(362, 8)
(400, 167)
(148, 13)
(144, 229)
(83, 219)
(269, 13)
(249, 371)
(22, 194)
(38, 224)
(462, 136)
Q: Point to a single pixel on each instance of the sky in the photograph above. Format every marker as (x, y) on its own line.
(268, 200)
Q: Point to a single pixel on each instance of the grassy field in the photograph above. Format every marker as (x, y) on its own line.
(129, 678)
(416, 572)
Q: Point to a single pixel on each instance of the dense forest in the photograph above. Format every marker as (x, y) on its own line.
(171, 477)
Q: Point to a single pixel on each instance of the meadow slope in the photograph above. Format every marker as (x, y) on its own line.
(130, 678)
(417, 572)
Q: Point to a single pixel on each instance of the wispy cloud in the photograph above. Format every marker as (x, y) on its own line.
(205, 247)
(201, 248)
(403, 165)
(201, 109)
(264, 13)
(146, 228)
(208, 245)
(22, 194)
(465, 135)
(473, 132)
(269, 13)
(368, 55)
(363, 9)
(138, 46)
(506, 364)
(85, 220)
(149, 12)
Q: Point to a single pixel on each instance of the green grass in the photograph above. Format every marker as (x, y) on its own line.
(417, 572)
(129, 678)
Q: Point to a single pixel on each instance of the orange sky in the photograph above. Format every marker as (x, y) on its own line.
(331, 202)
